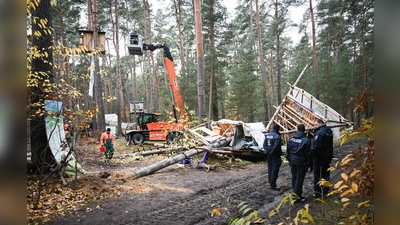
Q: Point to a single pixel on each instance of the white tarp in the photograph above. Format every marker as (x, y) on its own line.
(56, 137)
(111, 119)
(249, 129)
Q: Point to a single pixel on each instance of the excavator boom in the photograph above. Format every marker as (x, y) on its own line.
(173, 82)
(149, 128)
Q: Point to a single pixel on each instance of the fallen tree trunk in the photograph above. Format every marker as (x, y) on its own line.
(152, 152)
(237, 152)
(159, 151)
(164, 163)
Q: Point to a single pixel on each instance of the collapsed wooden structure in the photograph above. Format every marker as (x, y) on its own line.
(237, 138)
(300, 107)
(246, 139)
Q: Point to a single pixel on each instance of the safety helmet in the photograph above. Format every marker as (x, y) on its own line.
(66, 126)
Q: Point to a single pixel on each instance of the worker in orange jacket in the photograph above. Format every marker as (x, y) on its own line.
(67, 134)
(107, 140)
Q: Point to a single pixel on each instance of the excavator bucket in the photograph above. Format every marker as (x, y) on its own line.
(135, 44)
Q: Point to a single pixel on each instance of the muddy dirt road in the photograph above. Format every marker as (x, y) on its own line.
(186, 196)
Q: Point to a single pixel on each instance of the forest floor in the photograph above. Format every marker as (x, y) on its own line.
(108, 194)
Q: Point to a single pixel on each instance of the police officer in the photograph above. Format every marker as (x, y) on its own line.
(322, 153)
(297, 153)
(273, 146)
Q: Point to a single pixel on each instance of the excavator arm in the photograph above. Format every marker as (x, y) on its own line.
(169, 63)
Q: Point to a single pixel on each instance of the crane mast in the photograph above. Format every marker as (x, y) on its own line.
(136, 47)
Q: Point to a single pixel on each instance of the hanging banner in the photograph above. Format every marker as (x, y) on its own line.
(56, 137)
(91, 82)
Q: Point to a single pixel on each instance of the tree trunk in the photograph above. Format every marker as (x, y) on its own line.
(262, 63)
(270, 84)
(178, 16)
(66, 59)
(41, 154)
(164, 163)
(121, 100)
(314, 51)
(100, 120)
(131, 71)
(213, 100)
(200, 61)
(278, 56)
(251, 18)
(154, 95)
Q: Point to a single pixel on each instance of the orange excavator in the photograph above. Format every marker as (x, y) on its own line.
(148, 126)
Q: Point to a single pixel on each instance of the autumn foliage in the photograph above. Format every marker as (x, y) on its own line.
(356, 188)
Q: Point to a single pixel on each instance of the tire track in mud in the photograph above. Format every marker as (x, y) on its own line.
(222, 189)
(196, 208)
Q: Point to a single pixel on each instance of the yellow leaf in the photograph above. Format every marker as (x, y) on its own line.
(346, 160)
(364, 217)
(304, 221)
(330, 169)
(344, 176)
(354, 187)
(363, 203)
(320, 200)
(344, 138)
(346, 192)
(345, 200)
(354, 173)
(308, 216)
(331, 193)
(352, 217)
(337, 184)
(343, 186)
(216, 212)
(325, 183)
(271, 213)
(259, 221)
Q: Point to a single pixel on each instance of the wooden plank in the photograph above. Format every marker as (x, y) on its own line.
(288, 121)
(309, 118)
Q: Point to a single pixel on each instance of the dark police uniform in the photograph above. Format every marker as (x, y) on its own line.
(322, 152)
(272, 145)
(297, 153)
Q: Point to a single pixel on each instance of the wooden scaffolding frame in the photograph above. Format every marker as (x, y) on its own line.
(300, 107)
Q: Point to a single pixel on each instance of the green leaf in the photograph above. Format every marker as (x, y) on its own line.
(272, 212)
(243, 208)
(246, 210)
